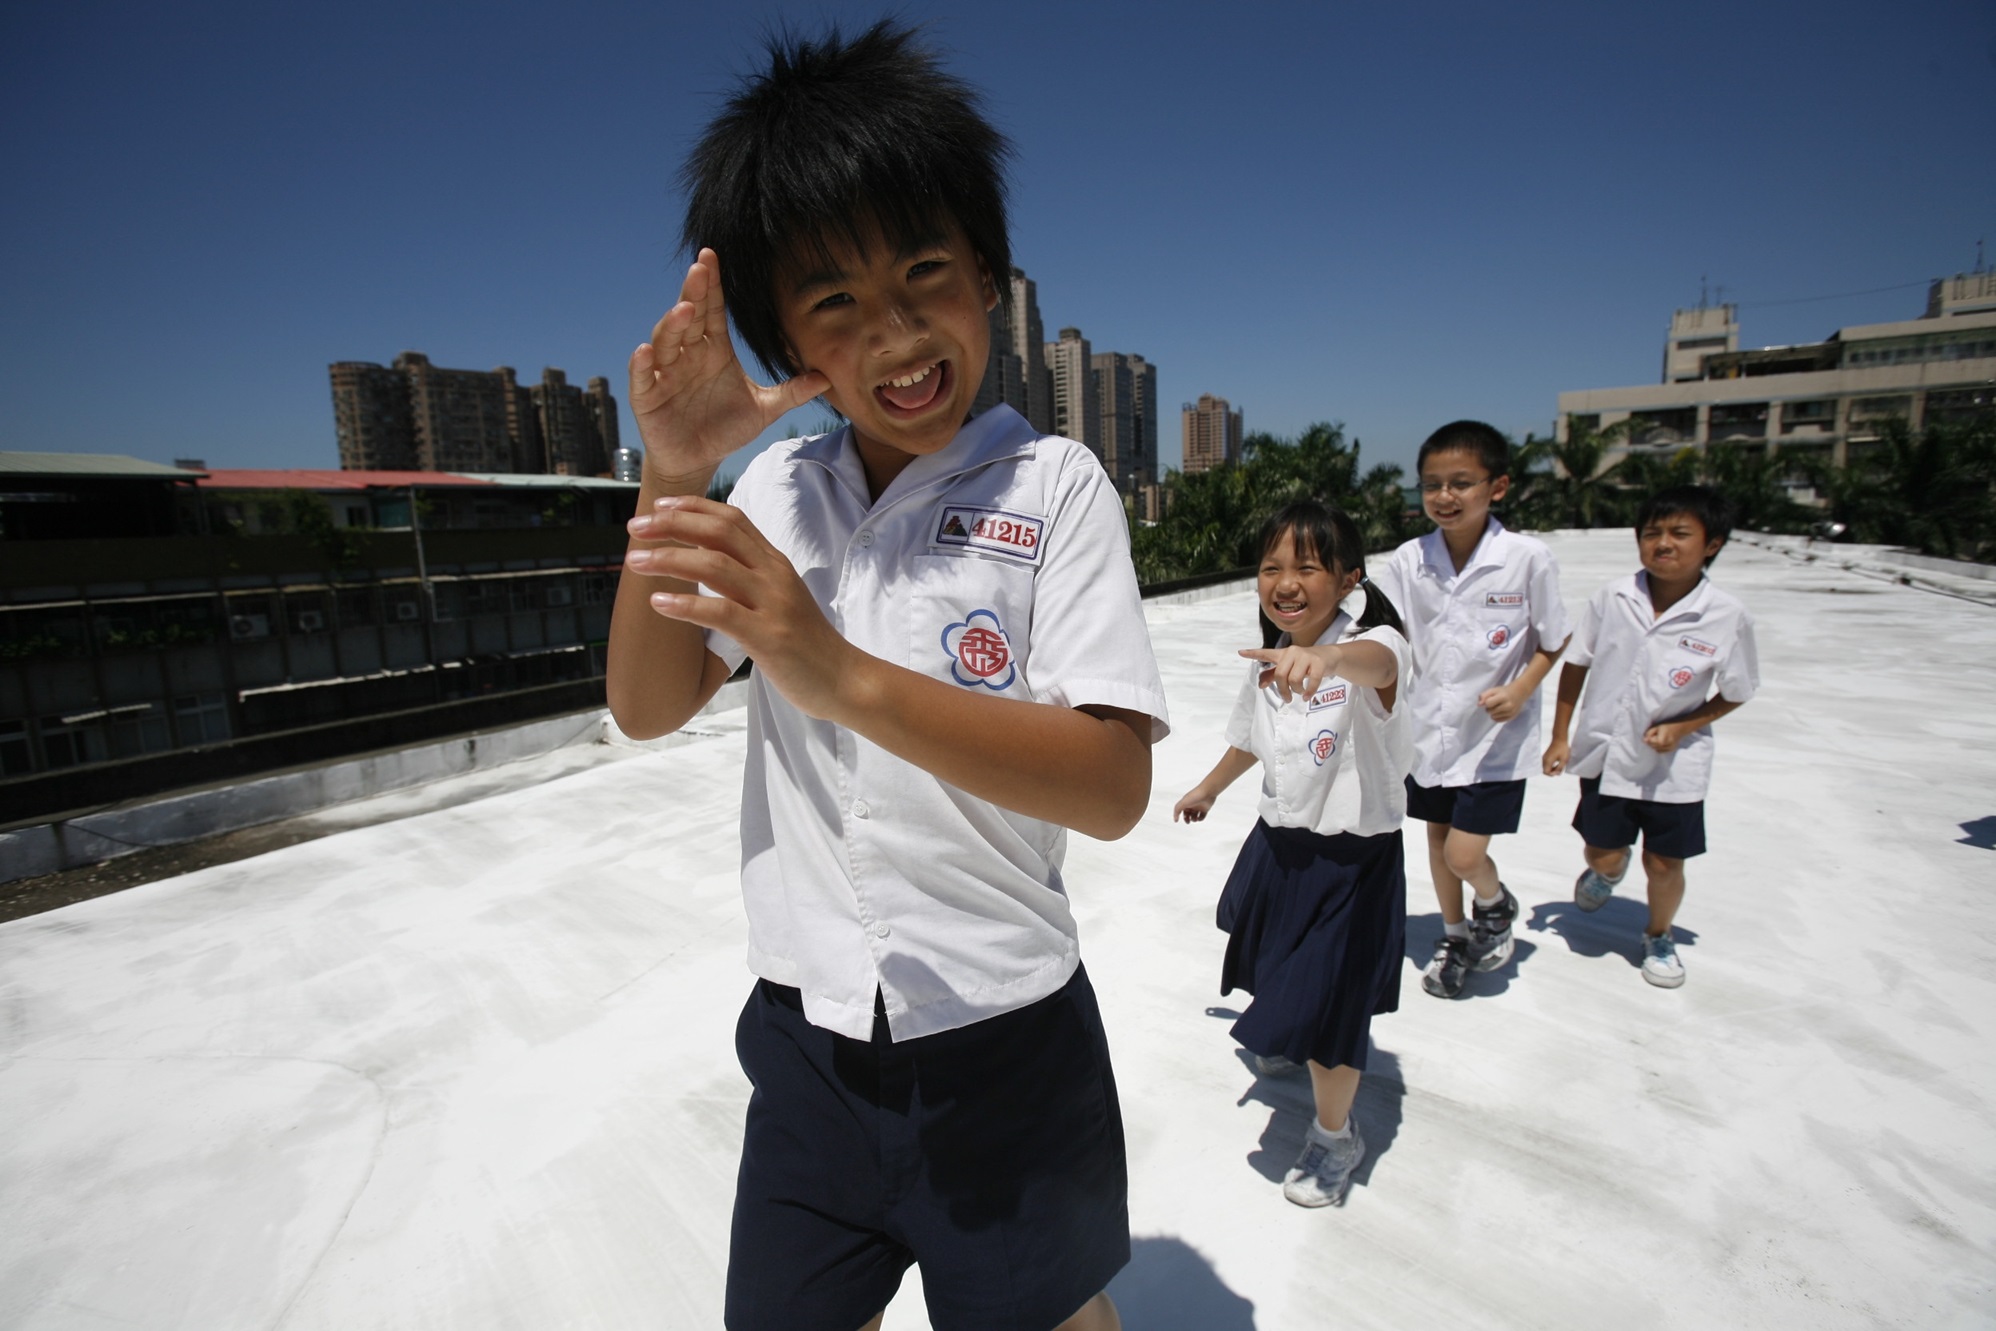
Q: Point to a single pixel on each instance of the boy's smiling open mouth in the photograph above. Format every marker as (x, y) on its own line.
(915, 391)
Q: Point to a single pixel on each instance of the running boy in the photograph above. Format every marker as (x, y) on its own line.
(1658, 657)
(951, 670)
(1486, 623)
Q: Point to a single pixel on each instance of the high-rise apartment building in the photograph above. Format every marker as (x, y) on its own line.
(1212, 433)
(415, 416)
(1015, 371)
(1072, 387)
(1126, 409)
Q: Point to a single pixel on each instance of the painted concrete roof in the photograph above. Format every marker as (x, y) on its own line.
(95, 465)
(473, 1067)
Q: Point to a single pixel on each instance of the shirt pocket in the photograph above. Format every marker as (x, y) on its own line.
(1687, 680)
(970, 622)
(1500, 617)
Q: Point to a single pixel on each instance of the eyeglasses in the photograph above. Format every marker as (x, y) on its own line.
(1453, 487)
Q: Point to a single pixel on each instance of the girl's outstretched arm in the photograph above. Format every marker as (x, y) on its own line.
(1294, 670)
(1198, 801)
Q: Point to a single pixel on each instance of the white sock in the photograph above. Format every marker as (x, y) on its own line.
(1492, 899)
(1343, 1134)
(1460, 929)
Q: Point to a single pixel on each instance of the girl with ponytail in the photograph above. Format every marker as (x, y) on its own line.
(1315, 909)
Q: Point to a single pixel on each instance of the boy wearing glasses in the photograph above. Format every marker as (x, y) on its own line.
(1486, 624)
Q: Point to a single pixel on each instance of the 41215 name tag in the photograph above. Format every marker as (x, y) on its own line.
(1014, 535)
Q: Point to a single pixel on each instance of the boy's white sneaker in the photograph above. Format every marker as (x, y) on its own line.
(1591, 890)
(1322, 1174)
(1660, 964)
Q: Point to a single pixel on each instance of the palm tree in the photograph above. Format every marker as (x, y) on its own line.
(1580, 483)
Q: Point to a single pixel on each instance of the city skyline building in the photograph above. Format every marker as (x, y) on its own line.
(1815, 397)
(1072, 382)
(1015, 372)
(1212, 431)
(1126, 409)
(412, 415)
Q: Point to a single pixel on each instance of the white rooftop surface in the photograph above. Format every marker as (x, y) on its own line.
(473, 1067)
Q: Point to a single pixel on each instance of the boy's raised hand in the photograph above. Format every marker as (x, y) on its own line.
(693, 401)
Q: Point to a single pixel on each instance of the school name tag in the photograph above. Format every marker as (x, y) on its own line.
(1011, 534)
(1331, 697)
(1504, 600)
(1698, 645)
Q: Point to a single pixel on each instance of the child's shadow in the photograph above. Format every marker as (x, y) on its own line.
(1292, 1106)
(1425, 931)
(1615, 930)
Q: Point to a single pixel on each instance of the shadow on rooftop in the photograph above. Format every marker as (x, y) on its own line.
(1615, 930)
(1424, 931)
(1378, 1111)
(1169, 1286)
(1981, 834)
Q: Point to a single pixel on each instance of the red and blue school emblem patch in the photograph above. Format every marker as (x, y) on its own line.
(1498, 637)
(1679, 677)
(980, 653)
(1323, 746)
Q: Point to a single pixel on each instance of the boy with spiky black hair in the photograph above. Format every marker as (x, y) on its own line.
(1486, 622)
(952, 669)
(1656, 659)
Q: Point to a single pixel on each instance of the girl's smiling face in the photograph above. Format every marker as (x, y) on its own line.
(1300, 591)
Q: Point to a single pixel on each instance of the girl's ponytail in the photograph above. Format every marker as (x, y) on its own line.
(1378, 608)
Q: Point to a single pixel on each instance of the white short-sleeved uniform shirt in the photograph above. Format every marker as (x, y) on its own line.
(1001, 565)
(1335, 761)
(1644, 668)
(1472, 631)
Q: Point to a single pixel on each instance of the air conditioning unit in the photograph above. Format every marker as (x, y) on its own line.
(249, 626)
(559, 595)
(311, 621)
(408, 610)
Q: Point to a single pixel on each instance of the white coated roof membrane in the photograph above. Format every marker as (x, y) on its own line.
(473, 1067)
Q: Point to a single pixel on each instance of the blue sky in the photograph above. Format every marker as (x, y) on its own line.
(1390, 216)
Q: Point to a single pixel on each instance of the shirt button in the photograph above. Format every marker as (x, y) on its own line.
(859, 809)
(866, 538)
(881, 929)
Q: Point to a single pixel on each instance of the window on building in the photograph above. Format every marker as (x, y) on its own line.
(17, 756)
(356, 607)
(201, 718)
(137, 729)
(71, 742)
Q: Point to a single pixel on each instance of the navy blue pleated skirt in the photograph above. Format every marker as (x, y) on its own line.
(1316, 929)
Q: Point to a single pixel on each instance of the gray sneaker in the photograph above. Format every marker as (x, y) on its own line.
(1322, 1174)
(1660, 964)
(1446, 970)
(1278, 1066)
(1592, 890)
(1490, 931)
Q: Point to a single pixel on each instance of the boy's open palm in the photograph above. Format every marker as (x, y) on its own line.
(693, 401)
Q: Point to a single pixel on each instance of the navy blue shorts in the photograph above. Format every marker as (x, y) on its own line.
(1610, 822)
(992, 1155)
(1482, 808)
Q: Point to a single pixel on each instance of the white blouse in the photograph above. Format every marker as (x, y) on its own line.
(1333, 762)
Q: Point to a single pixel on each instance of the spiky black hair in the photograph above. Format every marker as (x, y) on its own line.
(847, 143)
(1492, 450)
(1712, 510)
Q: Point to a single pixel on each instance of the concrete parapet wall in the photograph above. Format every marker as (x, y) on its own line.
(189, 815)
